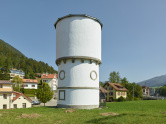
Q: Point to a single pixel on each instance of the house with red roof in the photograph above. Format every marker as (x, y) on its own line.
(12, 99)
(30, 84)
(51, 79)
(20, 100)
(115, 90)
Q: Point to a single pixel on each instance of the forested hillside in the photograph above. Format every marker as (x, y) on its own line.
(16, 59)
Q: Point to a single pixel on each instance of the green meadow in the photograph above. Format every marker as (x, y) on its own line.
(129, 112)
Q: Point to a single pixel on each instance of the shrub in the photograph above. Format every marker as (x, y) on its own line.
(121, 99)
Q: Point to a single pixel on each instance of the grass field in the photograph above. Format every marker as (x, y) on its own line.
(129, 112)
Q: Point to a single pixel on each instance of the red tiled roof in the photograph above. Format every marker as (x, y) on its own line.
(103, 90)
(20, 94)
(30, 81)
(48, 76)
(117, 86)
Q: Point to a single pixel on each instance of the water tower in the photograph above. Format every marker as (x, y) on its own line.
(78, 57)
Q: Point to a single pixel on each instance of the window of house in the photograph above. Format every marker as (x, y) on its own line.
(61, 94)
(106, 88)
(111, 93)
(15, 106)
(33, 85)
(4, 96)
(1, 86)
(4, 106)
(24, 105)
(14, 95)
(25, 85)
(111, 88)
(119, 93)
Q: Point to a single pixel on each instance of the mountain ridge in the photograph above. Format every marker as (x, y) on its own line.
(155, 81)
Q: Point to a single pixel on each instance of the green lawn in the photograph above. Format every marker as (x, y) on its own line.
(137, 112)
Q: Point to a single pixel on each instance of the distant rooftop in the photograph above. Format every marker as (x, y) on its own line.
(5, 82)
(15, 71)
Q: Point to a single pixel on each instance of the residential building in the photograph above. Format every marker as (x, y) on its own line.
(115, 91)
(6, 94)
(152, 91)
(12, 99)
(30, 83)
(15, 72)
(103, 93)
(20, 100)
(145, 90)
(51, 79)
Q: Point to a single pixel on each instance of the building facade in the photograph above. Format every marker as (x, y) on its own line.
(12, 99)
(30, 84)
(51, 79)
(115, 91)
(15, 72)
(145, 90)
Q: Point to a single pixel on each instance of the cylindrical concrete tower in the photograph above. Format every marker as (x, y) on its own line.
(78, 56)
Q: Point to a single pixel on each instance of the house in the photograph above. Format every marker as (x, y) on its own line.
(115, 91)
(6, 94)
(15, 72)
(152, 91)
(145, 90)
(21, 101)
(103, 93)
(12, 99)
(30, 83)
(51, 79)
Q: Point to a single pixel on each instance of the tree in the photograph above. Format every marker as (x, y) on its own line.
(162, 91)
(101, 84)
(114, 77)
(5, 72)
(16, 83)
(44, 94)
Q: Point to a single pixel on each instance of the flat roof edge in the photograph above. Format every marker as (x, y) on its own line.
(81, 15)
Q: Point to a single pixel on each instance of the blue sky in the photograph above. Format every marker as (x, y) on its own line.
(133, 34)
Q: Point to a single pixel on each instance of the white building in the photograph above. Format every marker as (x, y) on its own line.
(51, 79)
(30, 83)
(15, 72)
(78, 57)
(12, 99)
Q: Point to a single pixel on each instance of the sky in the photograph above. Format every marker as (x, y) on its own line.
(133, 33)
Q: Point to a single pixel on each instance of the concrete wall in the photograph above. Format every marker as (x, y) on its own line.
(78, 36)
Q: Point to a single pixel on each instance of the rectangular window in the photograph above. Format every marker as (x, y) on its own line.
(61, 94)
(119, 93)
(4, 106)
(1, 86)
(25, 85)
(24, 105)
(15, 106)
(33, 85)
(4, 96)
(111, 93)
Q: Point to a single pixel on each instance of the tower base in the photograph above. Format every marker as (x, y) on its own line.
(78, 106)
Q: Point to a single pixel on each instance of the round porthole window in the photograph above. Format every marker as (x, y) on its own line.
(62, 75)
(93, 75)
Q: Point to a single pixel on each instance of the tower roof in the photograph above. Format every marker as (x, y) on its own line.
(81, 15)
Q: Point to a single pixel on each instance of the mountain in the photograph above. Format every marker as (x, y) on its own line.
(15, 59)
(154, 82)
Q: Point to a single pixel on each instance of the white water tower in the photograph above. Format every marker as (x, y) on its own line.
(78, 57)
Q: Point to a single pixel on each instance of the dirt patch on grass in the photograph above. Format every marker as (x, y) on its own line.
(109, 114)
(70, 111)
(33, 115)
(163, 112)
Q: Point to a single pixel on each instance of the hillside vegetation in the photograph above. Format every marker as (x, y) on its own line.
(16, 59)
(154, 82)
(133, 112)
